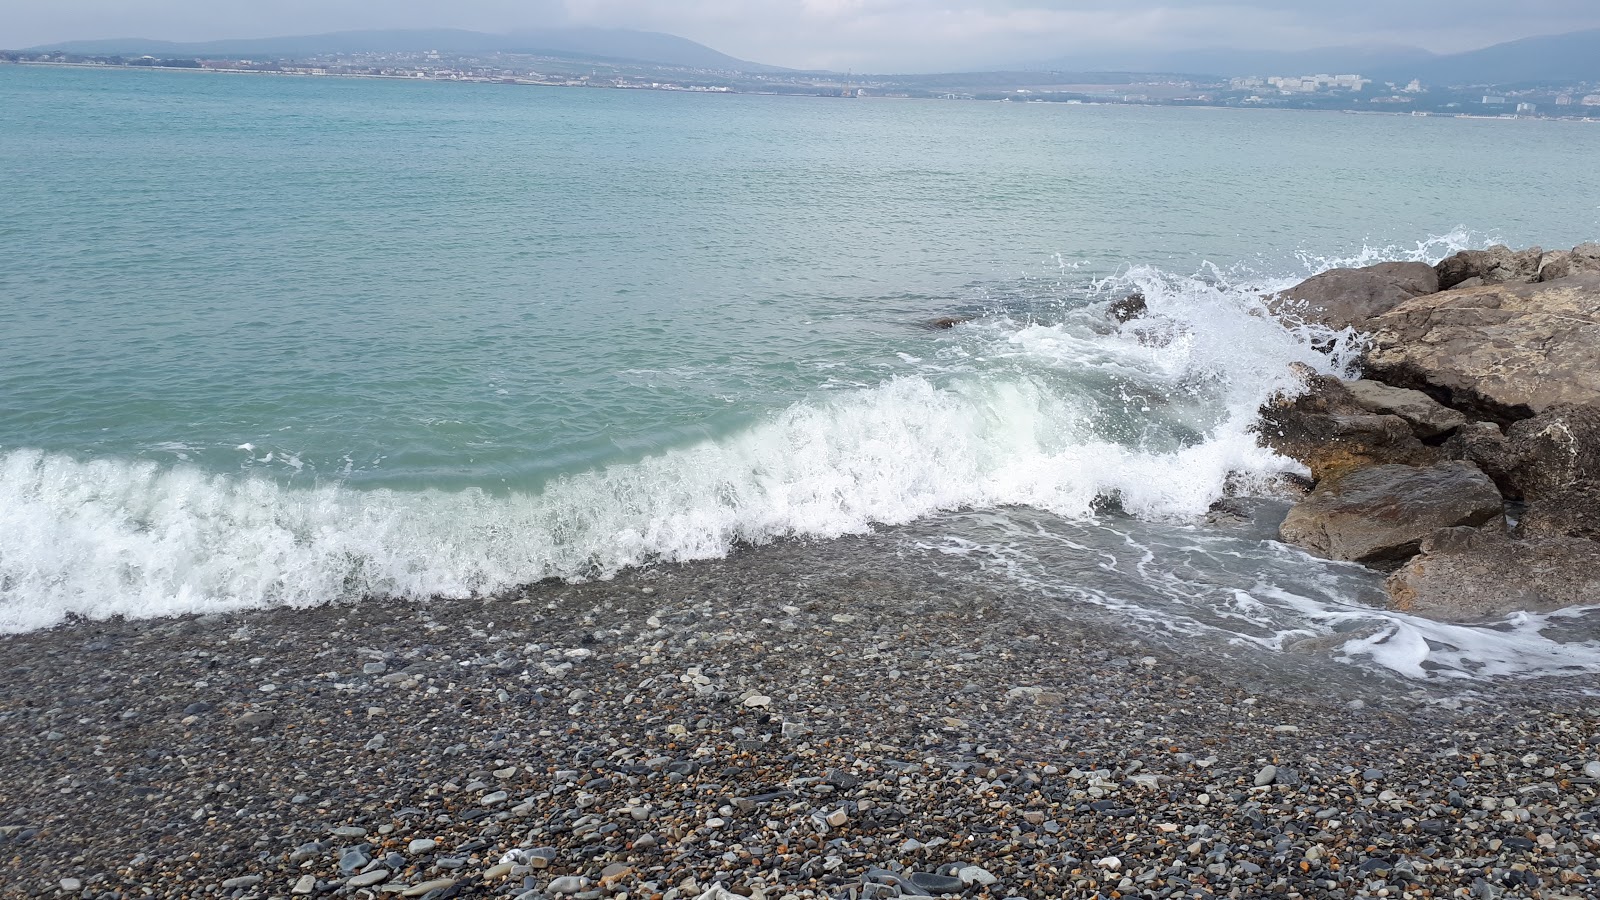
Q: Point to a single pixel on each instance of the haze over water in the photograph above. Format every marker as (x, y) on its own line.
(273, 340)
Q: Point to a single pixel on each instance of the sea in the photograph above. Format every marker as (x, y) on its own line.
(277, 341)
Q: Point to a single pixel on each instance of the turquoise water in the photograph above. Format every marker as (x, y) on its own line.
(274, 340)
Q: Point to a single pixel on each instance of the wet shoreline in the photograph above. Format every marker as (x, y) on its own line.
(703, 722)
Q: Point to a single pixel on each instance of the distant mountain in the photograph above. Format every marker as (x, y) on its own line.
(1549, 58)
(597, 43)
(1552, 58)
(1232, 62)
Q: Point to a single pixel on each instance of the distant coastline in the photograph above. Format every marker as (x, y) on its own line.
(859, 93)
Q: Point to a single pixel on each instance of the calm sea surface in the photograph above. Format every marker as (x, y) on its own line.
(276, 340)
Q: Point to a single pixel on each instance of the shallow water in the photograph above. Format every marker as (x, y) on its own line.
(276, 341)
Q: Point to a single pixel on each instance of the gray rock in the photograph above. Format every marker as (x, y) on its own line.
(1559, 264)
(938, 884)
(1497, 265)
(1555, 449)
(349, 831)
(306, 885)
(1592, 768)
(1266, 776)
(977, 875)
(243, 881)
(568, 884)
(71, 885)
(426, 887)
(352, 860)
(1427, 417)
(1468, 575)
(374, 668)
(421, 845)
(378, 742)
(368, 879)
(1382, 514)
(1346, 298)
(1501, 352)
(1328, 431)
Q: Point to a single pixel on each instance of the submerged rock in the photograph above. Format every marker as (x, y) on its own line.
(1328, 431)
(1345, 298)
(1381, 514)
(1470, 574)
(1503, 352)
(1428, 418)
(1129, 308)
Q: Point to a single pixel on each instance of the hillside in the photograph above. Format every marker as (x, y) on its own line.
(600, 43)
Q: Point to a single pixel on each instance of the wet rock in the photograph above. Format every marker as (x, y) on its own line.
(1428, 418)
(1329, 432)
(1470, 575)
(1570, 511)
(944, 323)
(1555, 449)
(1381, 514)
(1128, 308)
(1346, 298)
(1499, 352)
(1484, 445)
(1496, 265)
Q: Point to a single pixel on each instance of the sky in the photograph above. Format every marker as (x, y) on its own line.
(865, 35)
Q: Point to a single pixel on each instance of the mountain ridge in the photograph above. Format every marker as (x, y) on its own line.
(599, 43)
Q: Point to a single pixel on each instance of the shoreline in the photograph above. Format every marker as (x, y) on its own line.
(775, 723)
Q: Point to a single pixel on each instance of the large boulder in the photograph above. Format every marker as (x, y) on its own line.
(1562, 263)
(1484, 445)
(1501, 352)
(1473, 575)
(1429, 419)
(1381, 514)
(1555, 449)
(1329, 432)
(1497, 265)
(1344, 298)
(1571, 511)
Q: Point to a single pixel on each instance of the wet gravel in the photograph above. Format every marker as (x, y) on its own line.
(782, 723)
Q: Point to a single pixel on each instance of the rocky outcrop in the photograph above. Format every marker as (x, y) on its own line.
(1429, 419)
(1555, 449)
(1503, 352)
(1497, 265)
(1381, 514)
(1572, 511)
(1344, 298)
(1558, 264)
(1474, 575)
(1325, 429)
(1484, 445)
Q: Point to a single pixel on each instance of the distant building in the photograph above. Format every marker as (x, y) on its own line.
(1491, 100)
(1415, 87)
(1591, 100)
(1527, 109)
(1564, 100)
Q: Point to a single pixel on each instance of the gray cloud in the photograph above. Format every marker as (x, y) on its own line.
(877, 35)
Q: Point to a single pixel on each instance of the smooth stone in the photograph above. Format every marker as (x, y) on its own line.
(306, 885)
(421, 845)
(71, 884)
(438, 884)
(1592, 769)
(1266, 776)
(976, 875)
(567, 884)
(349, 831)
(378, 742)
(938, 884)
(495, 798)
(243, 881)
(352, 860)
(368, 879)
(499, 871)
(374, 668)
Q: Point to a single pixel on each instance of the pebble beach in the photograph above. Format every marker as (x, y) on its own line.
(776, 724)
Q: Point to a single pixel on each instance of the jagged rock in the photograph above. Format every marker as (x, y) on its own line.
(1343, 298)
(944, 322)
(1470, 575)
(1427, 417)
(1571, 511)
(1381, 514)
(1563, 263)
(1129, 308)
(1484, 445)
(1501, 352)
(1497, 265)
(1327, 430)
(1555, 449)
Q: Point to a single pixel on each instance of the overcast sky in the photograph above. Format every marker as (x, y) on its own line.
(880, 35)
